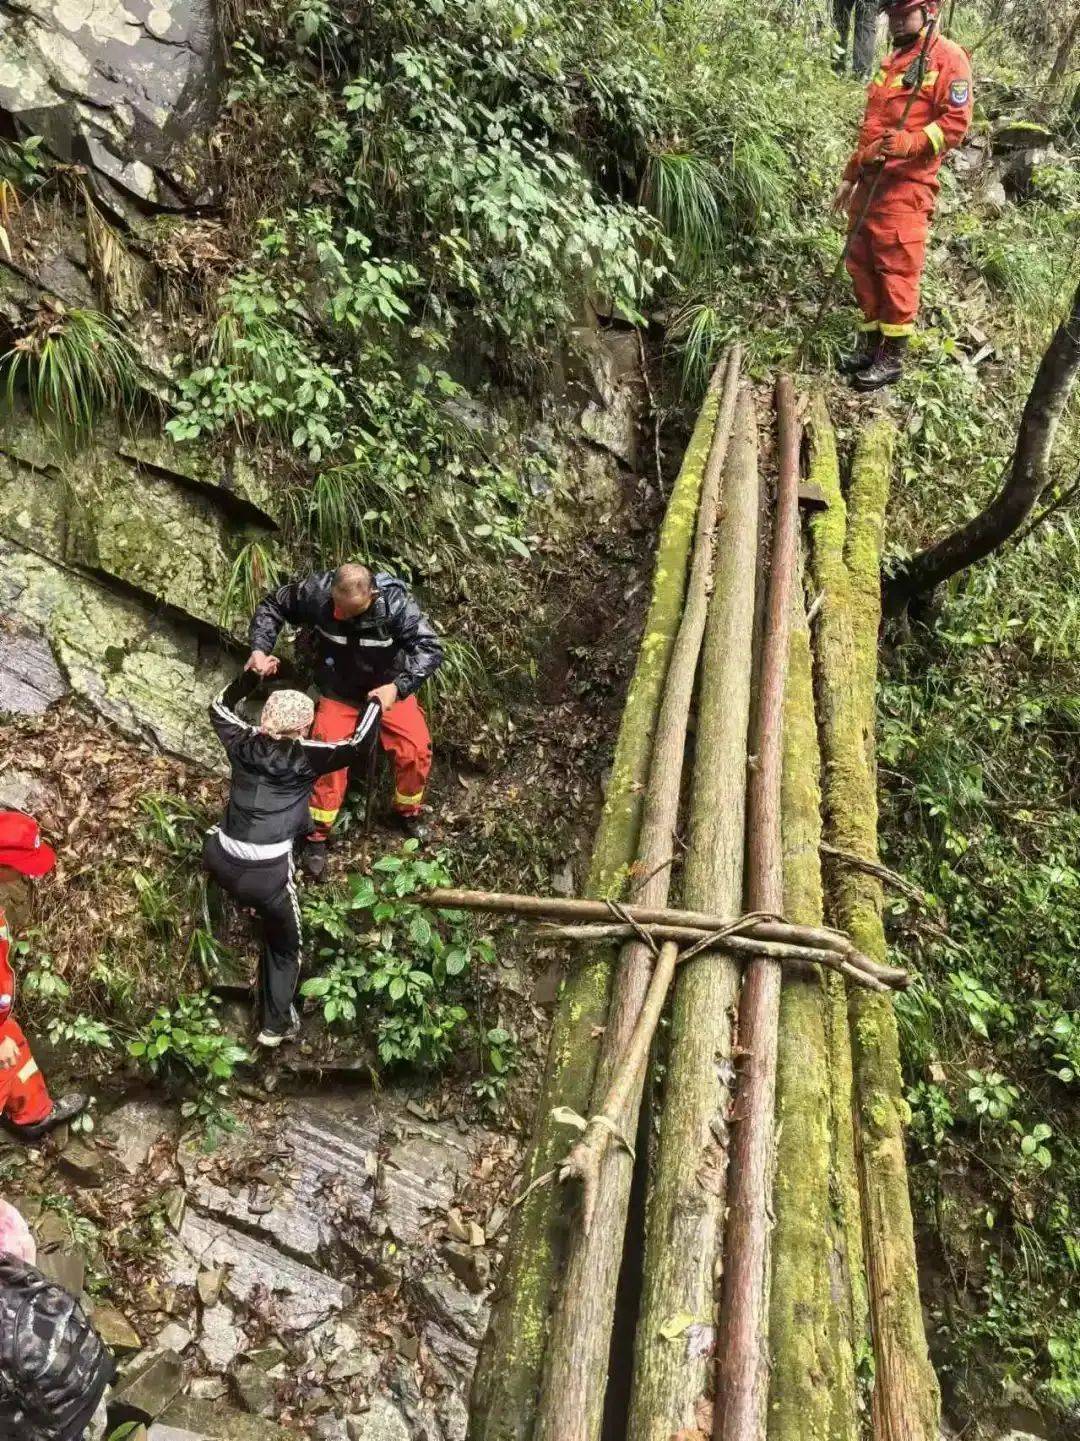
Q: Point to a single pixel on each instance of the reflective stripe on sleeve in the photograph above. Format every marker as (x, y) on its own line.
(937, 136)
(324, 818)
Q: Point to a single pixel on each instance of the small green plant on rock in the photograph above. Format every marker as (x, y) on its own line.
(185, 1043)
(395, 961)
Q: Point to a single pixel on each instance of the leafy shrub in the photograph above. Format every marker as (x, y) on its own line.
(184, 1042)
(403, 974)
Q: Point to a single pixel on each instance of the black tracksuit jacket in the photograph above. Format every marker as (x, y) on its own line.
(392, 641)
(272, 779)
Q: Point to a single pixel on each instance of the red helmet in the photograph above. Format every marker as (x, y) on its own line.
(21, 846)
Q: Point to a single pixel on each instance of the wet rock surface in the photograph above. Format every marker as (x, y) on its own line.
(120, 86)
(129, 662)
(301, 1284)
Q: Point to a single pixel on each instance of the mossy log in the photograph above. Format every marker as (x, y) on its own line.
(812, 1392)
(507, 1379)
(846, 556)
(575, 1373)
(686, 1203)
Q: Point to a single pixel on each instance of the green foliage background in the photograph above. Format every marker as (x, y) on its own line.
(423, 202)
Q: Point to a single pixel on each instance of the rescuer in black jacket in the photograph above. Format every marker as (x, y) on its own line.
(274, 767)
(372, 642)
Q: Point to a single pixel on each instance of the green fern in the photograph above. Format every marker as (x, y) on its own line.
(72, 366)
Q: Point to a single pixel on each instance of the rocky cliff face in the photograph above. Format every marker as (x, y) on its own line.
(116, 555)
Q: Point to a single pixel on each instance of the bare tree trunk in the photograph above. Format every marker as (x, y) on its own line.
(846, 557)
(575, 1377)
(506, 1384)
(685, 1209)
(1027, 480)
(742, 1345)
(865, 41)
(1064, 54)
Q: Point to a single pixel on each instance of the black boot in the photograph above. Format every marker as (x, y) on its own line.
(65, 1109)
(863, 353)
(413, 827)
(313, 861)
(888, 366)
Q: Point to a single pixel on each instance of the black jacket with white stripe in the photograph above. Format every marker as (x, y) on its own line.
(272, 779)
(392, 641)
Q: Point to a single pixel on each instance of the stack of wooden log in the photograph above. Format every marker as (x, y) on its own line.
(777, 1253)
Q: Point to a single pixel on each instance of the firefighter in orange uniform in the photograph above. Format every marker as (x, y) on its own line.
(887, 244)
(28, 1110)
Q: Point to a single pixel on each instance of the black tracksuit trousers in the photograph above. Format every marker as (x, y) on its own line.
(268, 888)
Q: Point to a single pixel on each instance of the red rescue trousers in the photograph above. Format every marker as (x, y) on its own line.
(24, 1096)
(885, 261)
(404, 736)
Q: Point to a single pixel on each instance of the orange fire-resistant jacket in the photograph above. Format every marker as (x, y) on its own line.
(942, 110)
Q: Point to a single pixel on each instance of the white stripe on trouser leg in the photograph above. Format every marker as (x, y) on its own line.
(30, 1069)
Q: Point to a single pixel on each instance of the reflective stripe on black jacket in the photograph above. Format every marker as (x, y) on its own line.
(272, 779)
(392, 641)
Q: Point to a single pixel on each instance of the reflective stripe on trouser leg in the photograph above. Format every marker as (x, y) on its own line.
(24, 1096)
(406, 739)
(282, 939)
(334, 721)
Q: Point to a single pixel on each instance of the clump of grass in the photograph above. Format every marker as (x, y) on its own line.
(681, 189)
(72, 366)
(699, 333)
(256, 570)
(461, 675)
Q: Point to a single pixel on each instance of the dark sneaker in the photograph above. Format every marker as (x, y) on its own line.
(863, 353)
(64, 1110)
(413, 828)
(888, 366)
(313, 861)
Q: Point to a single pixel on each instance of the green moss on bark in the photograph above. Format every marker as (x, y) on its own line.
(507, 1381)
(846, 558)
(812, 1385)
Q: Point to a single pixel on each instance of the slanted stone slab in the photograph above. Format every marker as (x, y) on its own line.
(210, 1421)
(96, 509)
(30, 679)
(136, 1127)
(330, 1169)
(299, 1296)
(147, 1388)
(117, 86)
(116, 1330)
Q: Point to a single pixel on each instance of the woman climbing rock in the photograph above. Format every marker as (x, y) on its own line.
(250, 854)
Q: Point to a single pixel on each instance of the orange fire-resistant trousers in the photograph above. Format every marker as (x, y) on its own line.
(404, 735)
(885, 261)
(24, 1096)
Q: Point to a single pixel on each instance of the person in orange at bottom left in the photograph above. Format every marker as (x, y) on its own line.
(26, 1107)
